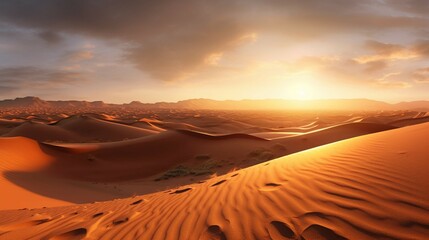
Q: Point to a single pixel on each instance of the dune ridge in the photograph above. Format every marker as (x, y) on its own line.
(78, 128)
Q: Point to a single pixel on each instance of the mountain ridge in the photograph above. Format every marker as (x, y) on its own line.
(246, 104)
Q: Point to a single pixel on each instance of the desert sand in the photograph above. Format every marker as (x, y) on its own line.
(188, 174)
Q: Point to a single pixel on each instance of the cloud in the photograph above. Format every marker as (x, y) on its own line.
(420, 7)
(421, 75)
(386, 82)
(16, 78)
(171, 40)
(386, 52)
(347, 70)
(375, 66)
(50, 37)
(177, 59)
(79, 55)
(168, 39)
(422, 48)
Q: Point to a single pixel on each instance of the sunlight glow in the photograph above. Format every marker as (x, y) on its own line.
(304, 93)
(303, 89)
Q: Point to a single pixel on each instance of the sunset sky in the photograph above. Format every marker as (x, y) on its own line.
(124, 50)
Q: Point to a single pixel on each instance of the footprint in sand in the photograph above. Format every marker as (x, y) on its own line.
(41, 221)
(78, 233)
(316, 231)
(19, 225)
(120, 220)
(181, 190)
(215, 232)
(97, 214)
(137, 202)
(269, 187)
(218, 183)
(279, 229)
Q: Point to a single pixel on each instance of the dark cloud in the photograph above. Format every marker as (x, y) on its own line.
(15, 78)
(172, 35)
(172, 39)
(79, 55)
(50, 37)
(420, 7)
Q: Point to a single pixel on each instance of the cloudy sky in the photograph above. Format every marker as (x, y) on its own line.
(124, 50)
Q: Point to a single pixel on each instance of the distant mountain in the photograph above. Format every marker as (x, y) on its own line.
(416, 105)
(74, 103)
(35, 102)
(268, 104)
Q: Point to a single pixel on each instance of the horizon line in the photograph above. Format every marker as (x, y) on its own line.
(218, 100)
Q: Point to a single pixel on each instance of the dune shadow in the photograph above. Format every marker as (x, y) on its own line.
(61, 189)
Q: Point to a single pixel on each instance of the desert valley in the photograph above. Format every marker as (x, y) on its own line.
(95, 171)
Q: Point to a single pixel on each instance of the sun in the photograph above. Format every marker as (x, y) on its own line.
(301, 85)
(303, 92)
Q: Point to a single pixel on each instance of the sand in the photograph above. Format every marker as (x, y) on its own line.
(369, 187)
(214, 175)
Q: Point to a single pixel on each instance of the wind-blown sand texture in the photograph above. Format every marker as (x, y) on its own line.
(370, 187)
(183, 175)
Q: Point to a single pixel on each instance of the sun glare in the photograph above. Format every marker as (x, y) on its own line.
(303, 92)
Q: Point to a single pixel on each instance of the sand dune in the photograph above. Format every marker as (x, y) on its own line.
(345, 190)
(165, 156)
(326, 135)
(152, 155)
(78, 128)
(6, 125)
(97, 171)
(27, 184)
(410, 121)
(104, 130)
(148, 156)
(164, 125)
(43, 132)
(369, 187)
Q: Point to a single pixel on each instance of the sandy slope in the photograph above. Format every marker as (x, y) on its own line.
(105, 131)
(410, 121)
(24, 183)
(43, 132)
(144, 157)
(6, 125)
(370, 187)
(102, 171)
(148, 156)
(330, 134)
(78, 128)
